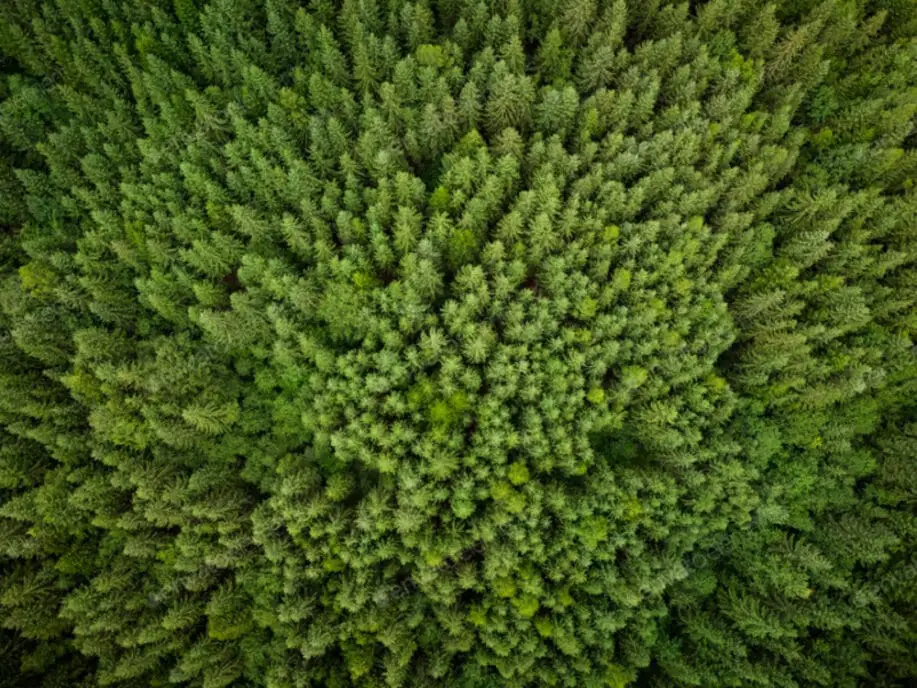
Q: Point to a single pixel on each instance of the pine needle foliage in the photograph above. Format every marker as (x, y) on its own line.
(395, 344)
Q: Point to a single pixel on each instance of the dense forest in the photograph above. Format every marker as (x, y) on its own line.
(459, 343)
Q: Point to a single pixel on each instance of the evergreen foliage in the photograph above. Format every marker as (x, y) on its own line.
(387, 343)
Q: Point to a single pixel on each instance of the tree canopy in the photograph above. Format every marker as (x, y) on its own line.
(396, 344)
